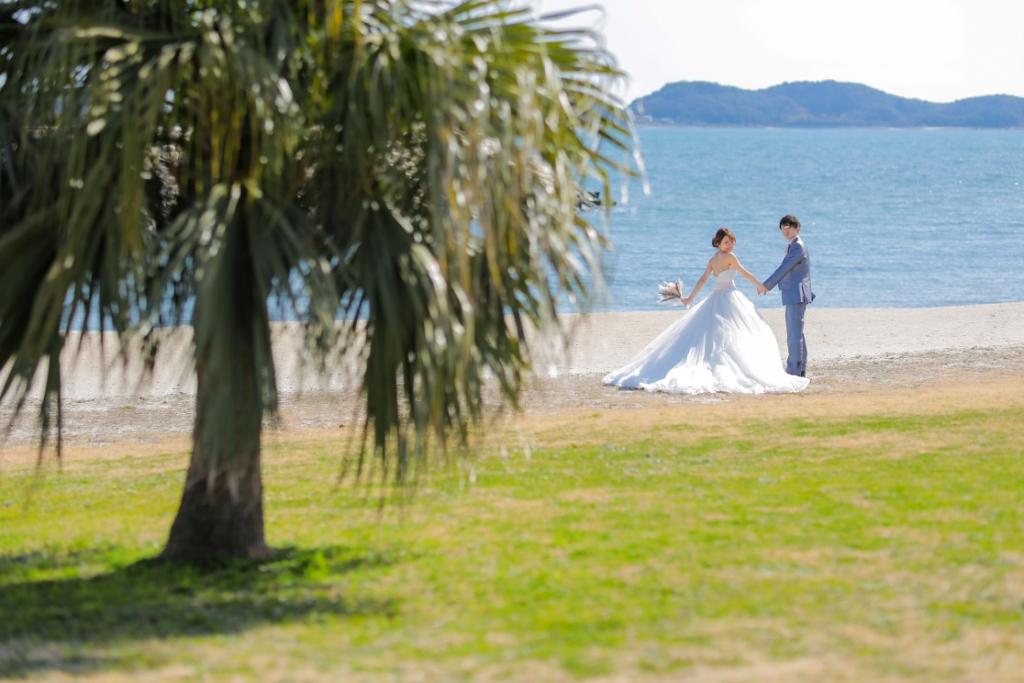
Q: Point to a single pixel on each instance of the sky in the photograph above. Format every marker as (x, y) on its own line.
(937, 50)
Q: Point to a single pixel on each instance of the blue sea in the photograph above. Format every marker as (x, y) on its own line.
(891, 217)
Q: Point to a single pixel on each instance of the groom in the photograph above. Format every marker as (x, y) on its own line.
(793, 277)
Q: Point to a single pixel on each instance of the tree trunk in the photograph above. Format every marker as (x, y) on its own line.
(221, 511)
(220, 516)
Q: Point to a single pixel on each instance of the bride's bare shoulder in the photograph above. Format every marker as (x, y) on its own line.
(723, 261)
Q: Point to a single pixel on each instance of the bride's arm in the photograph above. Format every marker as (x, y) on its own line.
(746, 273)
(700, 283)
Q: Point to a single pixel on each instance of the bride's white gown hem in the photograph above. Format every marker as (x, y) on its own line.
(720, 345)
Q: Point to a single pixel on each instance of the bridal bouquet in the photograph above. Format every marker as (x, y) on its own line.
(670, 291)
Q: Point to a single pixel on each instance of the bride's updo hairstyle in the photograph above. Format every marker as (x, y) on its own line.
(721, 235)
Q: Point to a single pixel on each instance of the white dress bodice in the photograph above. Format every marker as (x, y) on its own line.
(725, 280)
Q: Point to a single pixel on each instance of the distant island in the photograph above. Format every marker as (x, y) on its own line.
(818, 104)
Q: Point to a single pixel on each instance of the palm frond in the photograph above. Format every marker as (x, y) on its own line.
(413, 166)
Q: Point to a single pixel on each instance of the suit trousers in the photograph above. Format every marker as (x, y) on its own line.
(796, 364)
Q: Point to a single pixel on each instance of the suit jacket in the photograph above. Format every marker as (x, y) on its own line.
(793, 276)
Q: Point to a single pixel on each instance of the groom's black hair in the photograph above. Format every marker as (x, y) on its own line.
(789, 220)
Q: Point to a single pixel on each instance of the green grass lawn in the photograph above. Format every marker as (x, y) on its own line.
(877, 547)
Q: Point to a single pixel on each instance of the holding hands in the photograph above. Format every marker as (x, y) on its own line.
(761, 289)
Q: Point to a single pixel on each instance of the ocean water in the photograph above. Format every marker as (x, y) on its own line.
(891, 217)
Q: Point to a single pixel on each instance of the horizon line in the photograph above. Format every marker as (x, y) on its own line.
(822, 81)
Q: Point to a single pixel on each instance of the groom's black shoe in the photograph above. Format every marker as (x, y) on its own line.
(803, 374)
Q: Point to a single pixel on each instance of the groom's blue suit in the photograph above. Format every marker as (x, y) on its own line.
(793, 277)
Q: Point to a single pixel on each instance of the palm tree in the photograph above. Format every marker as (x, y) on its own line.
(403, 174)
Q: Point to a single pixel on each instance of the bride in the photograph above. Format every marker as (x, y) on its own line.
(721, 344)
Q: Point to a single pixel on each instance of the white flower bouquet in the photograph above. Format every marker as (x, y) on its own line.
(670, 291)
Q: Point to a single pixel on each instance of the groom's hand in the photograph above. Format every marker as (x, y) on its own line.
(761, 290)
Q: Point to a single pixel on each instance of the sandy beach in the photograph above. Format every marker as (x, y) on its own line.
(851, 351)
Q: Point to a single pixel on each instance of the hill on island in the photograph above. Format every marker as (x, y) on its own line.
(818, 104)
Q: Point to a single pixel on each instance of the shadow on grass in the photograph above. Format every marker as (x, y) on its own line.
(56, 623)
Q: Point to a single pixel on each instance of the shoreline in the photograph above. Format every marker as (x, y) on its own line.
(604, 341)
(851, 351)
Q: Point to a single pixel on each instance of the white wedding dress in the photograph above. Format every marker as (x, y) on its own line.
(721, 344)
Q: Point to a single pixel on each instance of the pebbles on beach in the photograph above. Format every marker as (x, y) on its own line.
(849, 348)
